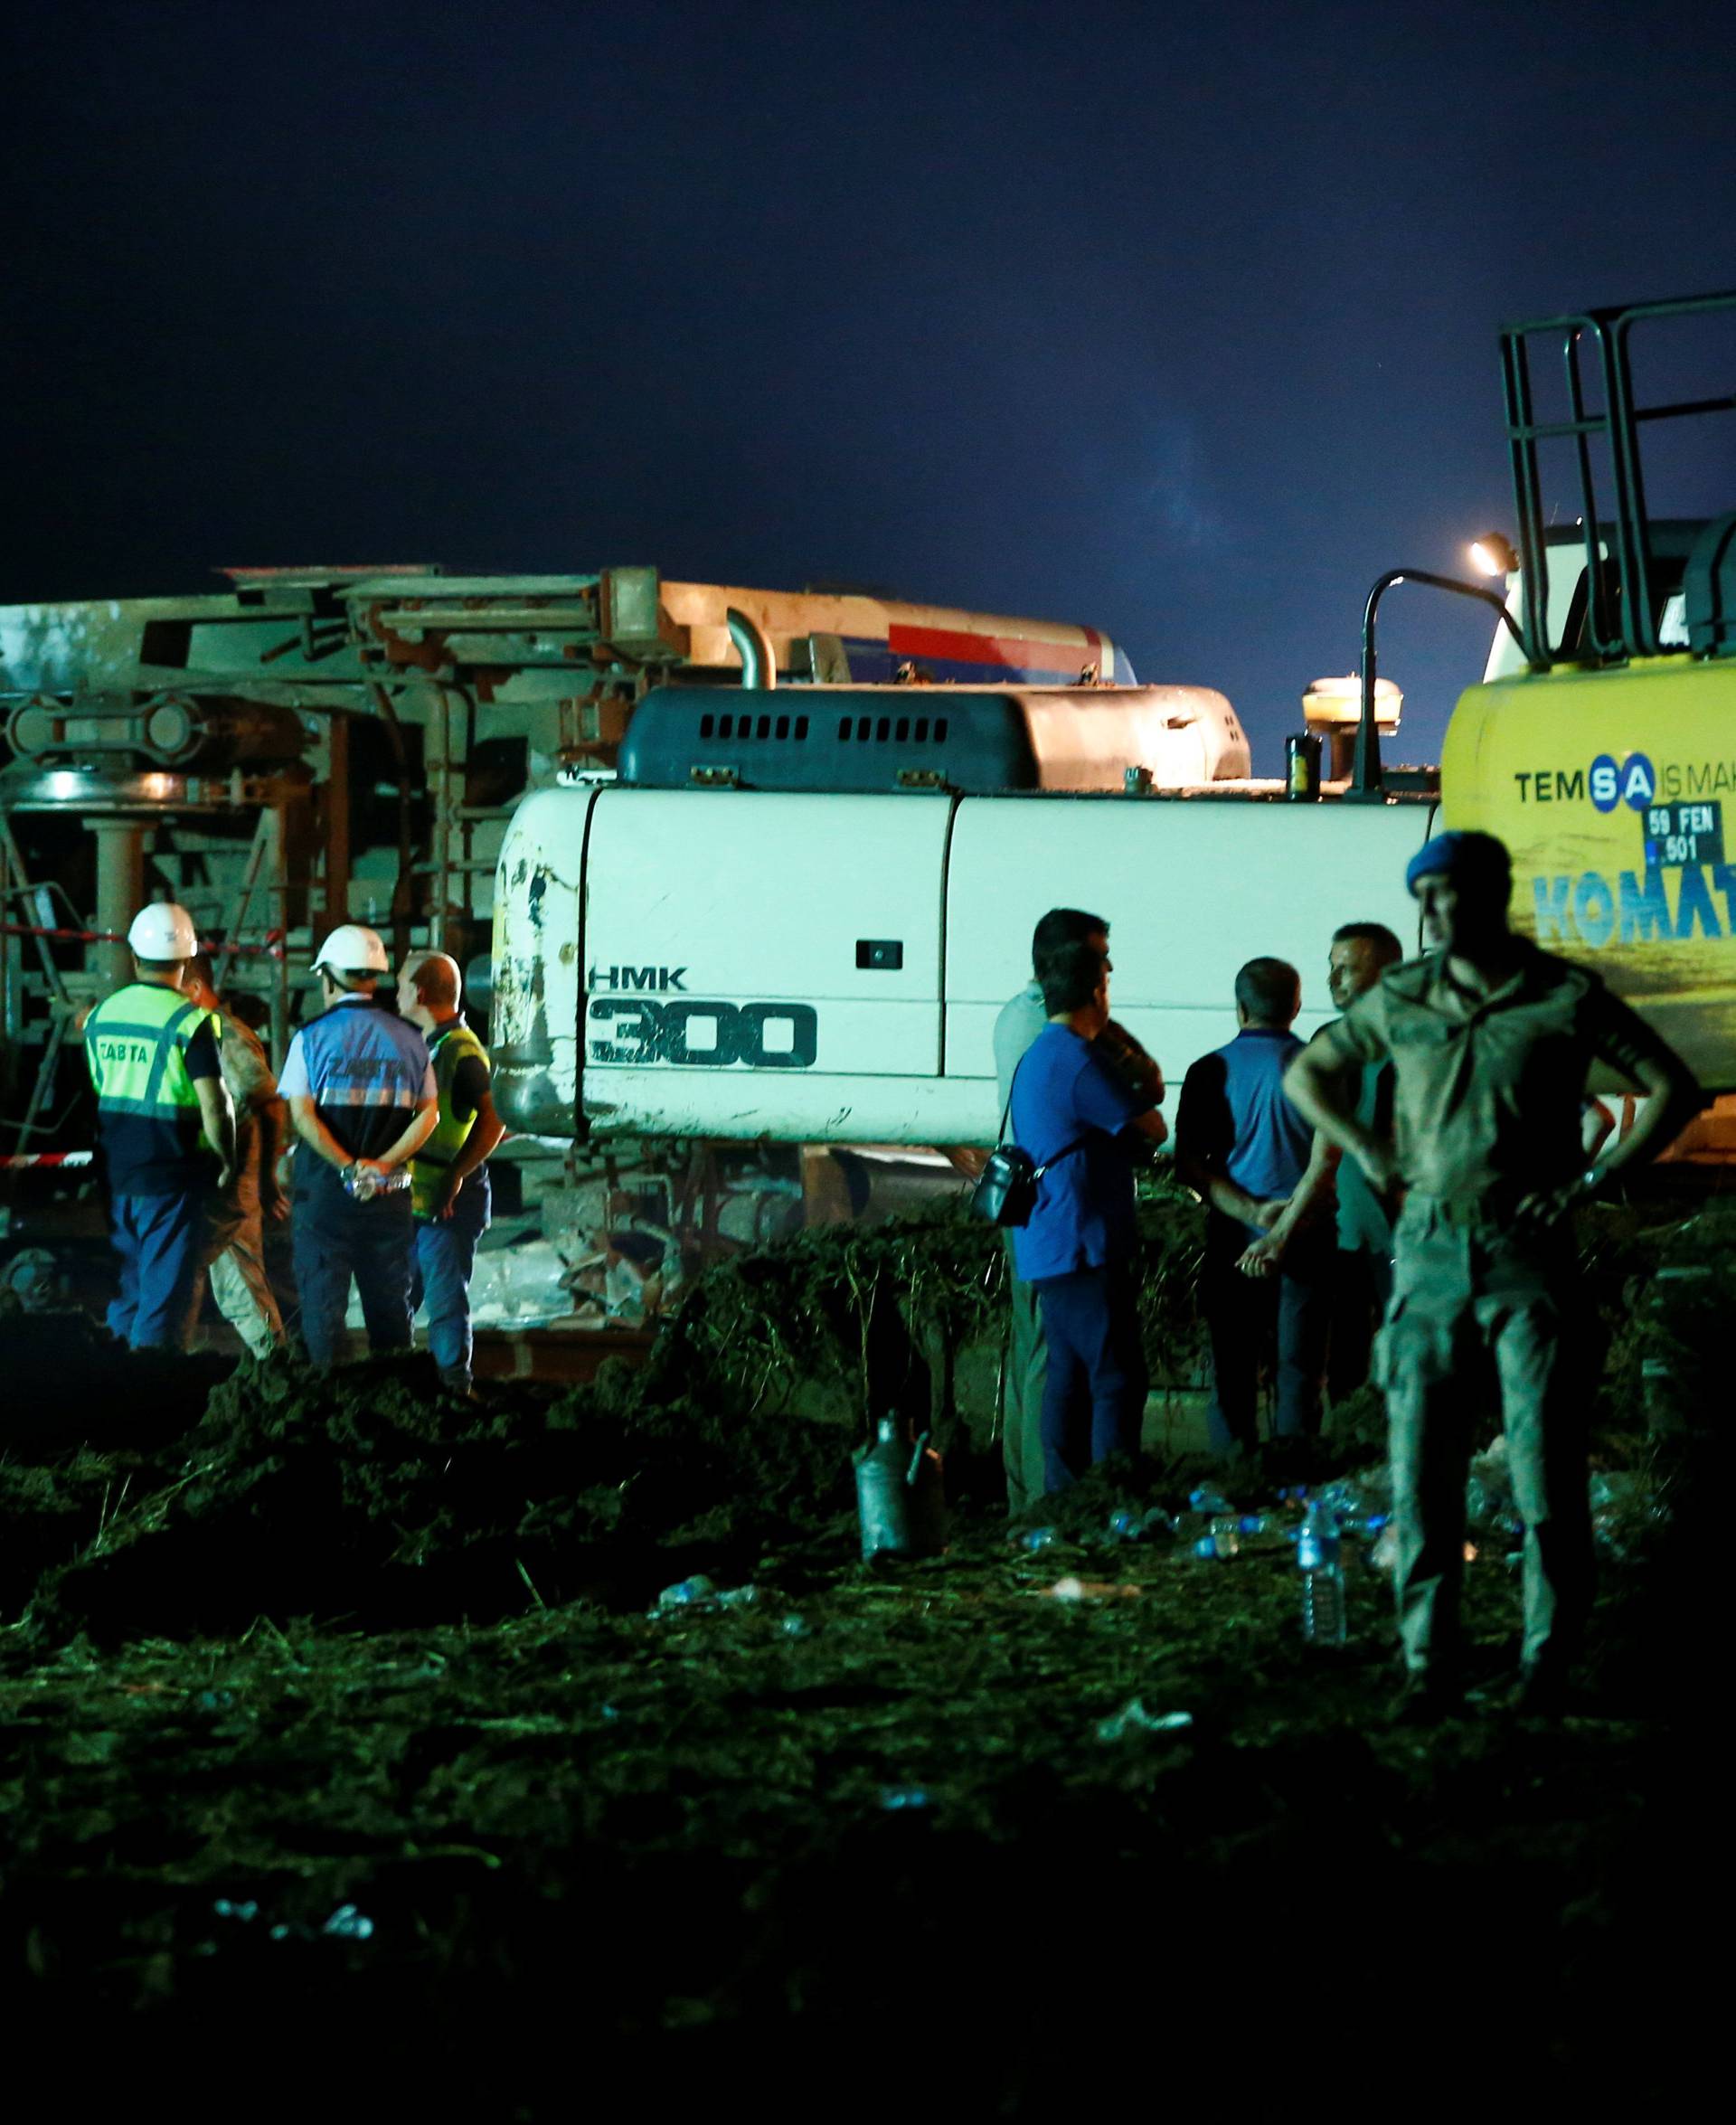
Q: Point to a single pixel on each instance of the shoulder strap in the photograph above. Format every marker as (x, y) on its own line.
(1006, 1111)
(1007, 1115)
(1078, 1144)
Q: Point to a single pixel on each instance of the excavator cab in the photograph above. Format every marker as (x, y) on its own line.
(1573, 393)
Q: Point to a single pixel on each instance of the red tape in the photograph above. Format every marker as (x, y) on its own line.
(272, 949)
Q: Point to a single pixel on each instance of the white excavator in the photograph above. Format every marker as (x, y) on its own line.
(794, 917)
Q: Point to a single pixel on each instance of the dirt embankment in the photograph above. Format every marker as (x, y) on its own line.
(144, 1501)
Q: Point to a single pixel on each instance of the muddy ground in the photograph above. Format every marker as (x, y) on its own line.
(342, 1736)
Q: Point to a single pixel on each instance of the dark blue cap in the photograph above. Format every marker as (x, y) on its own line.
(1472, 859)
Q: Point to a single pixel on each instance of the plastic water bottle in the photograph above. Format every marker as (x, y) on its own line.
(1323, 1577)
(1221, 1541)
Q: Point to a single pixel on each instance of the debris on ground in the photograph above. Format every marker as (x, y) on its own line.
(571, 1722)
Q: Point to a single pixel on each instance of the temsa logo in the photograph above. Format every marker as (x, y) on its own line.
(1632, 781)
(658, 980)
(1607, 782)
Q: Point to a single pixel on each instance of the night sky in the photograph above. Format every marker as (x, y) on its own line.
(1179, 322)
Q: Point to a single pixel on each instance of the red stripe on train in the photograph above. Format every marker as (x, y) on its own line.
(1013, 650)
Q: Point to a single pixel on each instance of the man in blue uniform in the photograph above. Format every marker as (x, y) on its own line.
(1243, 1148)
(449, 1191)
(1070, 1109)
(361, 1093)
(165, 1130)
(1361, 1274)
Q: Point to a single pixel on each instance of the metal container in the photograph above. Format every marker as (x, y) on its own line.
(900, 1494)
(1302, 767)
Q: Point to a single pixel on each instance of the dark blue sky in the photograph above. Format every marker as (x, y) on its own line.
(1178, 322)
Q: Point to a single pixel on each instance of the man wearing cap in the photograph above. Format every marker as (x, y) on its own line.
(1490, 1040)
(361, 1093)
(450, 1190)
(165, 1130)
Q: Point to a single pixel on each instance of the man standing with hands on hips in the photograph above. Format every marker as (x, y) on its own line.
(449, 1191)
(361, 1093)
(1490, 1040)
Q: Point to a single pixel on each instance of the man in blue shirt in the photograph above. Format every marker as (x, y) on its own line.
(1243, 1148)
(1361, 1268)
(361, 1095)
(1069, 1108)
(1021, 1018)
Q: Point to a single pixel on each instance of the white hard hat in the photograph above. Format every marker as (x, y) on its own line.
(162, 932)
(352, 949)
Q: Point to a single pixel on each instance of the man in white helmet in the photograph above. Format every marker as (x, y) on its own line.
(361, 1093)
(165, 1130)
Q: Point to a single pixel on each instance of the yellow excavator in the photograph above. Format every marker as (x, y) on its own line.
(1601, 744)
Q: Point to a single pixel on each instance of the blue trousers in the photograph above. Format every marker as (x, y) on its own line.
(1288, 1314)
(440, 1277)
(1094, 1396)
(334, 1239)
(164, 1242)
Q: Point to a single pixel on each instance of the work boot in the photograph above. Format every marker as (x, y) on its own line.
(1425, 1700)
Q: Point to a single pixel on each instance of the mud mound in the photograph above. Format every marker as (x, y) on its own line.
(366, 1495)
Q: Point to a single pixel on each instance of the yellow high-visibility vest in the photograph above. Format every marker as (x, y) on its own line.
(445, 1050)
(136, 1045)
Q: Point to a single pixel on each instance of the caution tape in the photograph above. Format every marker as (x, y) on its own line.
(17, 1161)
(272, 949)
